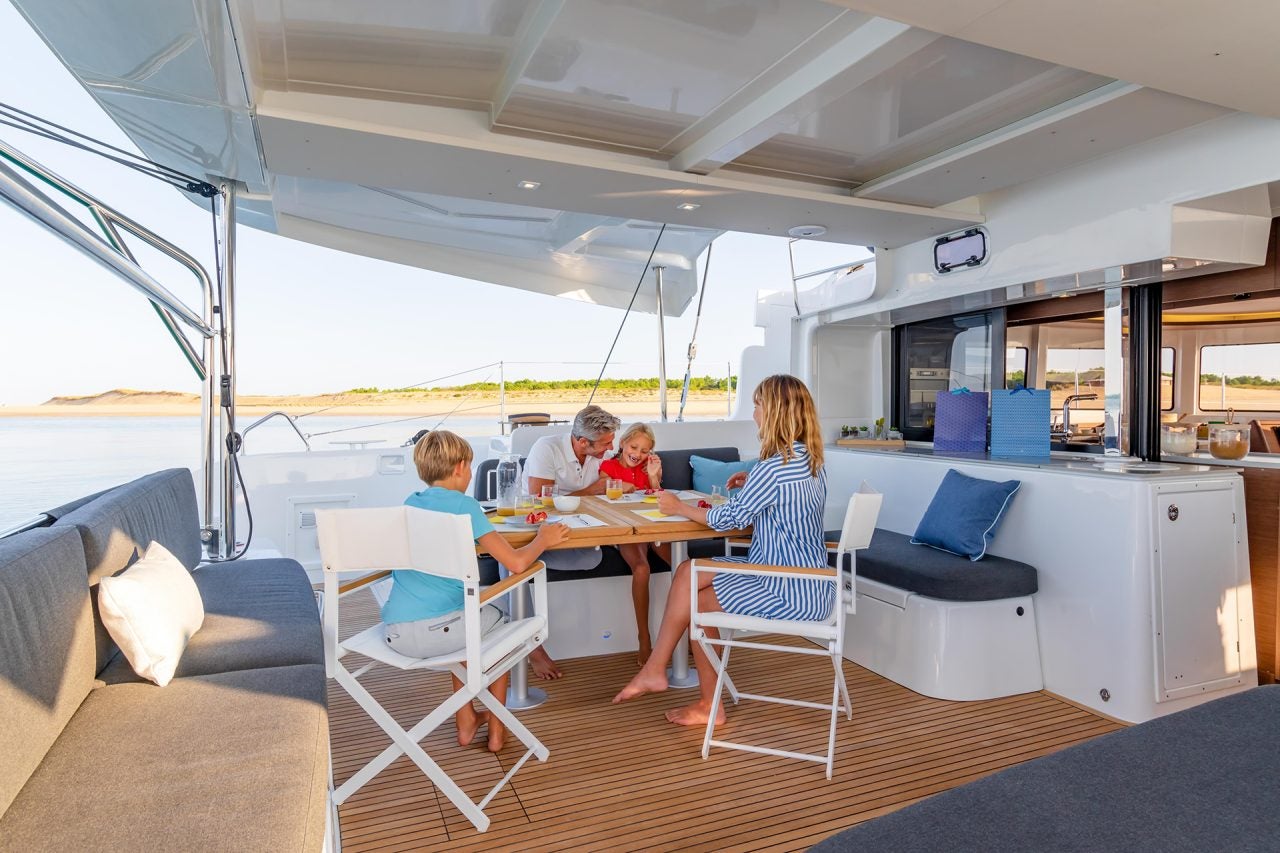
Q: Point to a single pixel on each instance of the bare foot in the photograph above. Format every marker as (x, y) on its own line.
(543, 666)
(694, 714)
(644, 682)
(469, 724)
(497, 738)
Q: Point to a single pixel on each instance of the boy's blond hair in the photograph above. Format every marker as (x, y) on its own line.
(634, 430)
(437, 453)
(788, 415)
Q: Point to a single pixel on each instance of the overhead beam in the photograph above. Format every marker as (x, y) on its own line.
(843, 55)
(1039, 121)
(533, 28)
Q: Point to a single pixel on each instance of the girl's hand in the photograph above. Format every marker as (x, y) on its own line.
(654, 466)
(670, 504)
(628, 488)
(737, 481)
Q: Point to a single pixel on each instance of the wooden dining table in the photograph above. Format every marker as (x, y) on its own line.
(622, 525)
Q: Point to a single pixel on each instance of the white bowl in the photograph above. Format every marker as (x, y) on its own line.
(567, 503)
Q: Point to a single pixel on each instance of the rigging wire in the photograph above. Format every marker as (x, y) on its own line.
(634, 294)
(693, 338)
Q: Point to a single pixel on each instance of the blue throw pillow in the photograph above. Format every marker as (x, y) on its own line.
(964, 514)
(713, 472)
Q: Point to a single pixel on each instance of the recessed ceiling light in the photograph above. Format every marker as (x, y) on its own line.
(529, 185)
(801, 231)
(688, 205)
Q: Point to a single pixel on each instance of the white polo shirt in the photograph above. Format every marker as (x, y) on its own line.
(552, 458)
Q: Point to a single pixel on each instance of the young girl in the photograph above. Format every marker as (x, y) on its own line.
(423, 614)
(640, 468)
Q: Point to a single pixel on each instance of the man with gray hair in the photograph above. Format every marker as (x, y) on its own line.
(570, 464)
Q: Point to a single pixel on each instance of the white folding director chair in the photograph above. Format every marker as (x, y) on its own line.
(378, 540)
(859, 524)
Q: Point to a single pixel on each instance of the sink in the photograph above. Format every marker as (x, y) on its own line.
(1120, 466)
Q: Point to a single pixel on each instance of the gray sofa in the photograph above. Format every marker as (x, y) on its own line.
(232, 754)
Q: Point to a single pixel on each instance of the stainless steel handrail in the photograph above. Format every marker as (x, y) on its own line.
(288, 417)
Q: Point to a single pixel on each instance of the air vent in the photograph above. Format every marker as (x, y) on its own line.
(306, 519)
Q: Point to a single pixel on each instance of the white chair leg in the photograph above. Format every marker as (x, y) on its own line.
(716, 664)
(831, 735)
(513, 724)
(844, 687)
(715, 697)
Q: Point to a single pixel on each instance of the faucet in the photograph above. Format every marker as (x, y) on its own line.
(1066, 411)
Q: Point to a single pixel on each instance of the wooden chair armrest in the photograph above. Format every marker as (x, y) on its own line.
(501, 587)
(810, 571)
(363, 580)
(738, 543)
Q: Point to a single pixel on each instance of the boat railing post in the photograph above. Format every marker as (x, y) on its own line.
(227, 381)
(728, 388)
(502, 398)
(662, 348)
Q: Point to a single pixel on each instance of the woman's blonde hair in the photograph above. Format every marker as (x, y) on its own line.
(787, 415)
(438, 452)
(634, 430)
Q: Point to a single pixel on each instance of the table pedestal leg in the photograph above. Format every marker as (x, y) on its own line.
(679, 675)
(519, 694)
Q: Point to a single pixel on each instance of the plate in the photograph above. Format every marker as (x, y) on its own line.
(518, 523)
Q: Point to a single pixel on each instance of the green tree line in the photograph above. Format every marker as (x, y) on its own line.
(696, 383)
(1239, 381)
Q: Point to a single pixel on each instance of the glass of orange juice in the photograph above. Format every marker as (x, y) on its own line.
(613, 489)
(548, 497)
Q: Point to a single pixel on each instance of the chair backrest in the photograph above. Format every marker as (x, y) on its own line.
(860, 519)
(484, 486)
(1262, 437)
(397, 537)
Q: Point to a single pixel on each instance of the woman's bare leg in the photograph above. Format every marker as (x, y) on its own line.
(696, 713)
(652, 677)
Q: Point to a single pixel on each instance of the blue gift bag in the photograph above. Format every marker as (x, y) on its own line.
(960, 421)
(1020, 422)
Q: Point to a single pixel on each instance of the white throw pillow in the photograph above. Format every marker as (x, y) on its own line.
(151, 610)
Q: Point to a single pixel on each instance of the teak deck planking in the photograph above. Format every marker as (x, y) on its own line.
(621, 778)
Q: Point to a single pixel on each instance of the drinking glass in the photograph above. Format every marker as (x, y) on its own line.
(548, 497)
(718, 495)
(613, 489)
(525, 504)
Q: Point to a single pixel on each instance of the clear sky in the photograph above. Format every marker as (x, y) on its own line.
(310, 319)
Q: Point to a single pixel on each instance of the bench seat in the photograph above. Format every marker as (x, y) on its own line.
(892, 560)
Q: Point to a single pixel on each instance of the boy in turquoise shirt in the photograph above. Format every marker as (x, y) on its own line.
(423, 615)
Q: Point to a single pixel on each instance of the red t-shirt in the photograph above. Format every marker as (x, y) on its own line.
(615, 470)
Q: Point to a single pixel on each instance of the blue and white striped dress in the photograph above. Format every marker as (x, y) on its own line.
(784, 502)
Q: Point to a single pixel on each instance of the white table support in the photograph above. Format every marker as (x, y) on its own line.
(679, 675)
(520, 696)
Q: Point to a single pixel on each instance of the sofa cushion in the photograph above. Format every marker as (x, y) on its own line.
(46, 647)
(677, 473)
(151, 610)
(257, 613)
(963, 516)
(710, 473)
(119, 525)
(233, 761)
(892, 559)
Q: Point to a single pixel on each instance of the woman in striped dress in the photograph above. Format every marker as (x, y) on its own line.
(783, 500)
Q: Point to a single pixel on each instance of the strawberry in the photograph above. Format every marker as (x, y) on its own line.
(704, 505)
(535, 517)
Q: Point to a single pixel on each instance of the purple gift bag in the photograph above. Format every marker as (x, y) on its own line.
(960, 421)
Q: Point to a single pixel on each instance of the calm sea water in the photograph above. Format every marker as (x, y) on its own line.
(46, 462)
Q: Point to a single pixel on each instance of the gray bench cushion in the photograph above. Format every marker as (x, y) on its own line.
(46, 648)
(119, 525)
(1198, 780)
(235, 761)
(893, 560)
(258, 613)
(677, 473)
